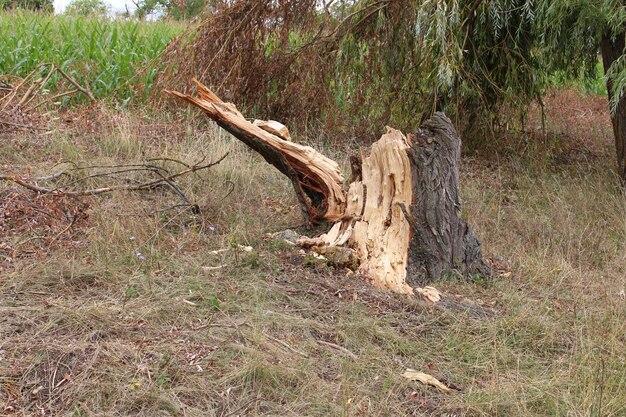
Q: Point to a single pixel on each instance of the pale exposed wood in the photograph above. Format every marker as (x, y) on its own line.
(274, 127)
(374, 224)
(425, 379)
(317, 179)
(430, 293)
(381, 236)
(403, 218)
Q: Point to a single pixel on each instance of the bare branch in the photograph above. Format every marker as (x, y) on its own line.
(164, 180)
(78, 86)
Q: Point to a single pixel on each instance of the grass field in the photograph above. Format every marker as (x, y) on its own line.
(104, 55)
(129, 313)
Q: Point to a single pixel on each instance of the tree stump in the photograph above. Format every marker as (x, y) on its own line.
(401, 213)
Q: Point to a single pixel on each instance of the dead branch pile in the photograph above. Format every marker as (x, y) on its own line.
(256, 50)
(23, 101)
(158, 175)
(49, 211)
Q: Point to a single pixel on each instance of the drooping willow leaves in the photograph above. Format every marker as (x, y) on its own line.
(368, 63)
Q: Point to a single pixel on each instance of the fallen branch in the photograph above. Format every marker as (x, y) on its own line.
(26, 98)
(163, 180)
(78, 86)
(339, 348)
(54, 97)
(8, 98)
(316, 179)
(20, 125)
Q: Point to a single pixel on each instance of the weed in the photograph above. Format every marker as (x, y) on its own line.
(131, 292)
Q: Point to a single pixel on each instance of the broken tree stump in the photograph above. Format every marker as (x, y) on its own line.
(401, 213)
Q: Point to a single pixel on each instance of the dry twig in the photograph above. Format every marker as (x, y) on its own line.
(339, 348)
(164, 179)
(17, 110)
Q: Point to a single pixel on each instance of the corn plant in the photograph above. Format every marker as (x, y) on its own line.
(112, 57)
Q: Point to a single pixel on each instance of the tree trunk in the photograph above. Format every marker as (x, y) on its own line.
(612, 49)
(401, 213)
(442, 241)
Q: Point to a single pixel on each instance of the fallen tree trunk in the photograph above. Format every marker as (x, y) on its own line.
(401, 212)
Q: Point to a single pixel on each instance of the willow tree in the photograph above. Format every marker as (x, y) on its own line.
(572, 34)
(485, 55)
(467, 57)
(474, 57)
(367, 62)
(387, 62)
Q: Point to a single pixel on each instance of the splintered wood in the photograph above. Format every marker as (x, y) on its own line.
(382, 235)
(401, 213)
(374, 224)
(313, 175)
(274, 127)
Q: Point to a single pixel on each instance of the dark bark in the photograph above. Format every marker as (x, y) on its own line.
(612, 49)
(442, 242)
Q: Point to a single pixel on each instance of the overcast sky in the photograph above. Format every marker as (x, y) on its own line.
(116, 5)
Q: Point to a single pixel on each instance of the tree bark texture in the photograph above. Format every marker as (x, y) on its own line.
(612, 49)
(442, 242)
(401, 213)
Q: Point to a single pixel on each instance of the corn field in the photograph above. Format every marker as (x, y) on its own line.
(112, 57)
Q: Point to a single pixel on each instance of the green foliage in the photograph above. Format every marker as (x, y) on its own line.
(404, 59)
(471, 58)
(617, 73)
(94, 8)
(570, 32)
(177, 10)
(368, 63)
(131, 292)
(377, 62)
(40, 5)
(363, 64)
(106, 55)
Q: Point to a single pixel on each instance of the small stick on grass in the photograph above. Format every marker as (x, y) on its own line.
(78, 86)
(20, 126)
(37, 85)
(339, 348)
(9, 97)
(286, 345)
(54, 97)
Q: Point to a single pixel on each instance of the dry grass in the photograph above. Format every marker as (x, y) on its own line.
(97, 331)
